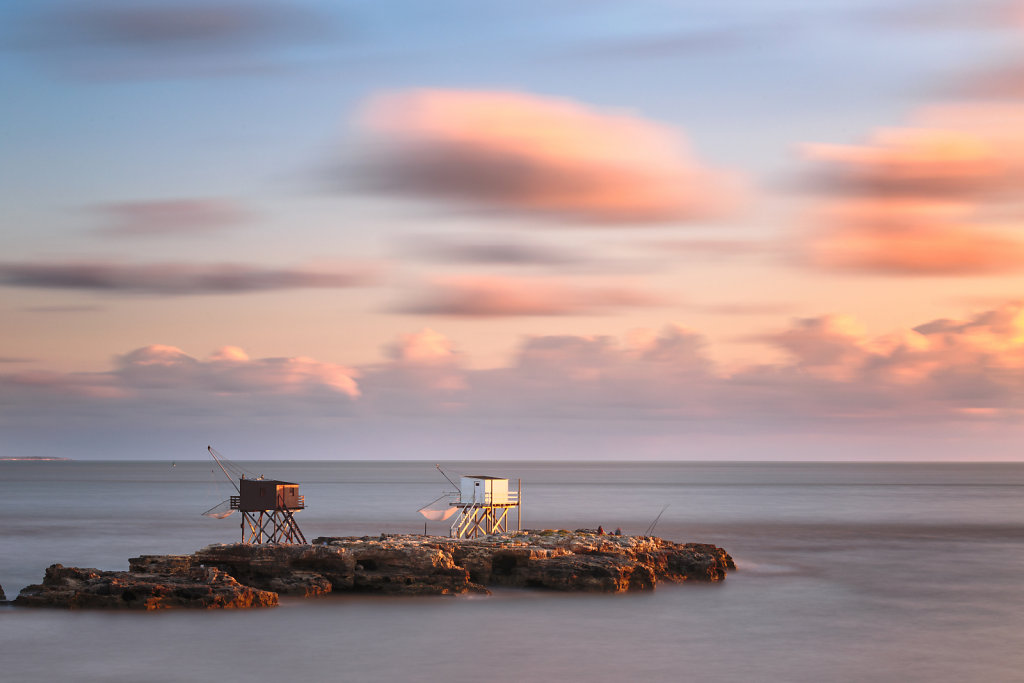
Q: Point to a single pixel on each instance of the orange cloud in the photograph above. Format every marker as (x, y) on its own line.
(525, 153)
(911, 237)
(965, 149)
(919, 200)
(497, 296)
(986, 343)
(425, 346)
(913, 161)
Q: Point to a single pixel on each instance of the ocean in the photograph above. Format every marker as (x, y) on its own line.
(845, 572)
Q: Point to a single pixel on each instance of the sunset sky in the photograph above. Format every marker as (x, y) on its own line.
(728, 229)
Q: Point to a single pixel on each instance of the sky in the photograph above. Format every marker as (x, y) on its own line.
(576, 229)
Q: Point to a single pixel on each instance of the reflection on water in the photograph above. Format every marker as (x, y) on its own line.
(847, 573)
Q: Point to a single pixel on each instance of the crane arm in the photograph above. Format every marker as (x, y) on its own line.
(214, 454)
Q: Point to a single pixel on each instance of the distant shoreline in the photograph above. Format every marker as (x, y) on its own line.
(35, 458)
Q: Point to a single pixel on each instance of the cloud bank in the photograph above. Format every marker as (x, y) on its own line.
(166, 374)
(972, 368)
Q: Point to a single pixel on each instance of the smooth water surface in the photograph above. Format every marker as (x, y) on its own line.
(847, 572)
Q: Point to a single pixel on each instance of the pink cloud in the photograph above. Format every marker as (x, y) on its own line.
(230, 371)
(489, 296)
(829, 347)
(424, 373)
(540, 155)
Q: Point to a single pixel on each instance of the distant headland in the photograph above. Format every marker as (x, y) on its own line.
(34, 458)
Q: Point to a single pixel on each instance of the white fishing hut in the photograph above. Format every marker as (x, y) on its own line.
(483, 489)
(484, 503)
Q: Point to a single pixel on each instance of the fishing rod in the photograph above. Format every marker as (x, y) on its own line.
(650, 529)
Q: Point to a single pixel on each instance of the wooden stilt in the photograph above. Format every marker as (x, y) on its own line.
(519, 507)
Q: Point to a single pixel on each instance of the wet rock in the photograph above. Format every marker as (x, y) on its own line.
(192, 587)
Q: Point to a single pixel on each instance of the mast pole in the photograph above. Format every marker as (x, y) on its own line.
(519, 507)
(446, 477)
(213, 453)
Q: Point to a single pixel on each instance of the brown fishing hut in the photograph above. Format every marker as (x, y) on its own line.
(266, 506)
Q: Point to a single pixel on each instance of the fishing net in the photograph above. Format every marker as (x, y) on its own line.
(220, 510)
(438, 510)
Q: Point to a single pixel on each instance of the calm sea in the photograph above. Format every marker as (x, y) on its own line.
(847, 572)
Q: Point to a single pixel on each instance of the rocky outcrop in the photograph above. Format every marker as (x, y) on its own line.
(582, 560)
(241, 575)
(403, 565)
(182, 586)
(3, 598)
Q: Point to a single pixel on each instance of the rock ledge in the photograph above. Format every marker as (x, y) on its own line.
(241, 575)
(191, 587)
